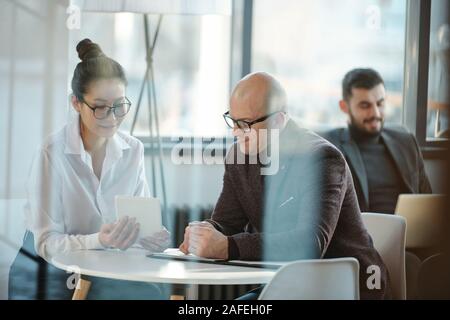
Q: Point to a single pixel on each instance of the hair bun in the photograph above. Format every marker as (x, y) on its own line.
(88, 50)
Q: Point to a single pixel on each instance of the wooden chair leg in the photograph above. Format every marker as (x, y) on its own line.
(81, 290)
(178, 292)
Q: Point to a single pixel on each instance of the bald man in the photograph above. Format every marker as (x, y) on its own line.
(306, 209)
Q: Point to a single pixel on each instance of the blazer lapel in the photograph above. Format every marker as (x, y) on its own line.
(395, 149)
(276, 190)
(356, 162)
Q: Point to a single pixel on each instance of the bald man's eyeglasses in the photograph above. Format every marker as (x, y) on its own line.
(243, 124)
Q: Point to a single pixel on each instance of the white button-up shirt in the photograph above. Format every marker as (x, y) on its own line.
(67, 203)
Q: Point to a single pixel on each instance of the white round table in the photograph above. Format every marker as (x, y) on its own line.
(134, 265)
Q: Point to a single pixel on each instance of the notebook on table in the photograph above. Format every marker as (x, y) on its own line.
(176, 254)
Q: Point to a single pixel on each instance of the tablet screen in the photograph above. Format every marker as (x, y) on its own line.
(146, 210)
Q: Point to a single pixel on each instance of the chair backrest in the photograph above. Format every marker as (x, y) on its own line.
(388, 233)
(425, 215)
(324, 279)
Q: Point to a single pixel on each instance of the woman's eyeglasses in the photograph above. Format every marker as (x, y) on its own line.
(120, 108)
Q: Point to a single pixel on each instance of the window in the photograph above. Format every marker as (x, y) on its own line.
(191, 63)
(310, 45)
(439, 71)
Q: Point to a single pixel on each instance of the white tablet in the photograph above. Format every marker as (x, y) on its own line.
(147, 212)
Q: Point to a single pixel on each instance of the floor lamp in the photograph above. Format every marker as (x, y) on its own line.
(148, 83)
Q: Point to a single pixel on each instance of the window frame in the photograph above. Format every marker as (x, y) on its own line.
(416, 66)
(415, 92)
(240, 65)
(240, 60)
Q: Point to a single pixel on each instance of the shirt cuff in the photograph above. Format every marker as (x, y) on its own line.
(93, 242)
(233, 250)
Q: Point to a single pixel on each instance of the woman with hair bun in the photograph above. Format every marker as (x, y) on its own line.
(80, 169)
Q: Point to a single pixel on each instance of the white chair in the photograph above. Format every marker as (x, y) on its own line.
(388, 233)
(324, 279)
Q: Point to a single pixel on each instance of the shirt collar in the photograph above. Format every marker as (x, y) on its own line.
(74, 143)
(115, 147)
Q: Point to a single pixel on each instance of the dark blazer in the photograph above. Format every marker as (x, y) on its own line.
(307, 210)
(403, 148)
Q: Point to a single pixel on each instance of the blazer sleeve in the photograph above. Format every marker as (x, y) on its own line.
(424, 183)
(228, 216)
(317, 217)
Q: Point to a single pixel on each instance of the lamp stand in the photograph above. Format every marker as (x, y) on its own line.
(149, 83)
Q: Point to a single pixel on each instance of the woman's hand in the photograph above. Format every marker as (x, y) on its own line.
(121, 234)
(157, 242)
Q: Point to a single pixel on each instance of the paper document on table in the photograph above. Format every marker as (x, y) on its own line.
(269, 264)
(176, 254)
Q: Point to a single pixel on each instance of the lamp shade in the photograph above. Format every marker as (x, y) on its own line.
(182, 7)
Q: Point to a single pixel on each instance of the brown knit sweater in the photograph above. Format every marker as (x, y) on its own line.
(307, 210)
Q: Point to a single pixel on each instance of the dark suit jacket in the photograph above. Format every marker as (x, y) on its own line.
(403, 148)
(307, 210)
